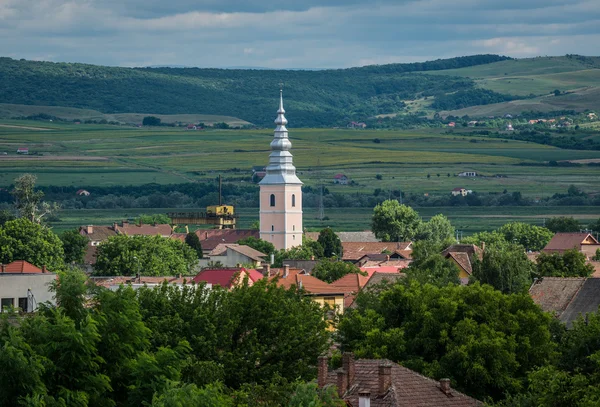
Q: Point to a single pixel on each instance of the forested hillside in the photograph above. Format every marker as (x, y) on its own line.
(313, 98)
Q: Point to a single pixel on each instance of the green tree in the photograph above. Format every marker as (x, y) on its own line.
(123, 255)
(331, 243)
(28, 201)
(193, 241)
(481, 339)
(258, 244)
(570, 263)
(74, 245)
(331, 270)
(437, 229)
(303, 252)
(393, 222)
(151, 121)
(188, 395)
(434, 269)
(155, 218)
(596, 256)
(313, 246)
(5, 216)
(563, 224)
(484, 237)
(505, 267)
(595, 226)
(531, 237)
(309, 395)
(22, 239)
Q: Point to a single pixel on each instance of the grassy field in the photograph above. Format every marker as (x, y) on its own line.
(467, 220)
(89, 155)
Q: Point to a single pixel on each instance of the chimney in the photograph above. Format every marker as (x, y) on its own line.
(267, 270)
(205, 235)
(89, 229)
(125, 223)
(115, 225)
(312, 258)
(445, 386)
(286, 270)
(342, 382)
(364, 399)
(483, 246)
(348, 366)
(272, 258)
(44, 270)
(322, 375)
(385, 377)
(4, 268)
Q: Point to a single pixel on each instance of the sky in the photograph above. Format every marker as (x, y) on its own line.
(292, 33)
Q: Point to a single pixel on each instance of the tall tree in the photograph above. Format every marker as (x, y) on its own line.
(331, 243)
(563, 224)
(329, 271)
(438, 229)
(393, 222)
(28, 201)
(74, 245)
(21, 239)
(531, 237)
(571, 263)
(505, 267)
(193, 241)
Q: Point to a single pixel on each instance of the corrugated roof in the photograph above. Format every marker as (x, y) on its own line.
(408, 388)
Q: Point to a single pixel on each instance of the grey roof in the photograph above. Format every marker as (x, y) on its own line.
(554, 294)
(586, 300)
(306, 265)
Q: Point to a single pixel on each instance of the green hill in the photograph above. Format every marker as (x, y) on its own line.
(314, 97)
(479, 83)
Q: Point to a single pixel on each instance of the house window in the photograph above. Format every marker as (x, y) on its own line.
(294, 228)
(7, 302)
(272, 228)
(272, 199)
(23, 304)
(293, 237)
(293, 200)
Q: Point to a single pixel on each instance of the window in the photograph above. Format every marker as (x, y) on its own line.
(272, 199)
(293, 200)
(294, 228)
(7, 302)
(293, 237)
(272, 228)
(23, 304)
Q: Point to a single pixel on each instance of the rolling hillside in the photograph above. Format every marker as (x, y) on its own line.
(474, 85)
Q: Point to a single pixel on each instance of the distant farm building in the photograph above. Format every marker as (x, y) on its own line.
(509, 127)
(472, 123)
(340, 179)
(83, 192)
(357, 125)
(467, 174)
(22, 150)
(258, 173)
(451, 124)
(459, 191)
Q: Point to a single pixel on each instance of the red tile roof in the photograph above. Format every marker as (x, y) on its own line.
(254, 275)
(226, 278)
(407, 388)
(146, 230)
(565, 241)
(21, 267)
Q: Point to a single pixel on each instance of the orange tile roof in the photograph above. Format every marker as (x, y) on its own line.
(21, 267)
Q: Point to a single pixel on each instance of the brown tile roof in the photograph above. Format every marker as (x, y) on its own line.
(470, 249)
(99, 233)
(247, 251)
(586, 300)
(309, 283)
(146, 230)
(553, 294)
(407, 389)
(118, 280)
(210, 238)
(463, 260)
(565, 241)
(353, 251)
(90, 254)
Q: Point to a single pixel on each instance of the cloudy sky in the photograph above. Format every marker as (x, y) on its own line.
(292, 33)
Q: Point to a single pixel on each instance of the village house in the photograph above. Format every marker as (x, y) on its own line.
(25, 286)
(340, 179)
(567, 298)
(82, 192)
(227, 277)
(23, 150)
(583, 242)
(382, 383)
(463, 255)
(354, 251)
(467, 174)
(451, 124)
(258, 173)
(459, 191)
(356, 125)
(509, 127)
(233, 255)
(211, 238)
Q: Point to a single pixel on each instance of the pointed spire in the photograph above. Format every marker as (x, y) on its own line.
(281, 110)
(281, 121)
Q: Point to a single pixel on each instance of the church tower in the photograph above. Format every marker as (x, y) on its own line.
(281, 191)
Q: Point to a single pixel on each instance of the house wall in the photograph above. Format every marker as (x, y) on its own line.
(589, 249)
(17, 285)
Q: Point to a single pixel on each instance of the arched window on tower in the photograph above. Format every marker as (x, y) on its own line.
(272, 200)
(293, 200)
(272, 228)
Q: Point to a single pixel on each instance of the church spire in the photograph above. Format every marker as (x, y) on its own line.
(281, 169)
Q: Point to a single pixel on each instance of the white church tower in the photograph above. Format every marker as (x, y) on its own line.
(281, 191)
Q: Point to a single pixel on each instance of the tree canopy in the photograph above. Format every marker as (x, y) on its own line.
(331, 243)
(570, 263)
(329, 271)
(74, 245)
(28, 200)
(563, 224)
(393, 222)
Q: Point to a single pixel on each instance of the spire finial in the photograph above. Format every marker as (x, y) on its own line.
(281, 98)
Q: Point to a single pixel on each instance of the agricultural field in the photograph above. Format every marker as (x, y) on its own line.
(95, 155)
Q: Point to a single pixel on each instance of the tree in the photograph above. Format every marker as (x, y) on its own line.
(435, 270)
(531, 237)
(22, 239)
(393, 222)
(28, 201)
(329, 271)
(505, 267)
(484, 237)
(481, 339)
(563, 224)
(438, 229)
(188, 395)
(123, 255)
(570, 263)
(258, 244)
(5, 216)
(74, 245)
(595, 226)
(192, 240)
(151, 121)
(156, 218)
(330, 242)
(309, 395)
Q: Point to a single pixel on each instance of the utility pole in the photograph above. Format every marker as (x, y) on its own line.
(321, 214)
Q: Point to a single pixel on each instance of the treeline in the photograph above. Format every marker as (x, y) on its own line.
(469, 97)
(314, 98)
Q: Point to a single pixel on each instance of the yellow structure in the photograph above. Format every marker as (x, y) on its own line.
(219, 210)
